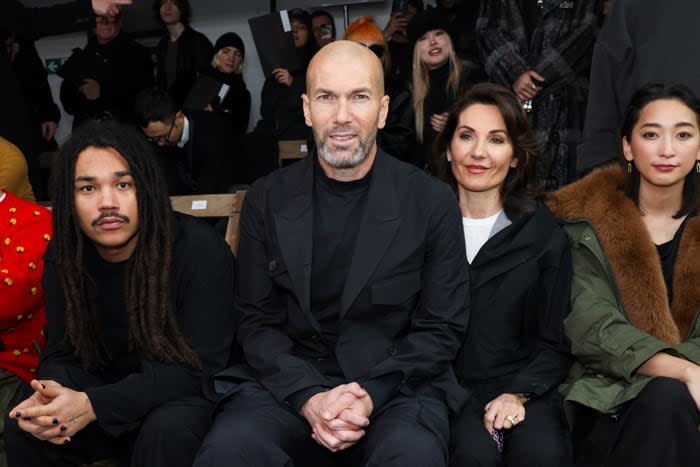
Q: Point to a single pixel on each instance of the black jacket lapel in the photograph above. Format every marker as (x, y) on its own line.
(380, 222)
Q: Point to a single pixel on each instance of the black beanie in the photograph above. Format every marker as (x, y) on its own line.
(427, 20)
(230, 39)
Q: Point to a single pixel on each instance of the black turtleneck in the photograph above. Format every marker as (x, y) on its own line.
(667, 255)
(437, 100)
(338, 209)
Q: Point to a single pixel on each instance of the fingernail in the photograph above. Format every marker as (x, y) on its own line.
(63, 428)
(55, 421)
(18, 414)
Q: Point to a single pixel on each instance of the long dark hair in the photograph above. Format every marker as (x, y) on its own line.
(153, 330)
(518, 191)
(182, 5)
(644, 96)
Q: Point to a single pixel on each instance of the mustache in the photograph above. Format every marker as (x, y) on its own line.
(344, 129)
(107, 214)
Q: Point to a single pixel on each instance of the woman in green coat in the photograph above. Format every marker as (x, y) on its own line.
(635, 235)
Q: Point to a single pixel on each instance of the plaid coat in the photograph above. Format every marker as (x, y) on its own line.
(560, 49)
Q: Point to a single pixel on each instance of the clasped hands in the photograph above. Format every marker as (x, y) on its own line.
(338, 417)
(504, 412)
(54, 413)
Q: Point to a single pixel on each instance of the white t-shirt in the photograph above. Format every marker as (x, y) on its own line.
(477, 232)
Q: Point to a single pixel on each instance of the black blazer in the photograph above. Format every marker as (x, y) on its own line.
(403, 309)
(520, 295)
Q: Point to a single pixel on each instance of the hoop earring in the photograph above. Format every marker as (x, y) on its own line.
(629, 167)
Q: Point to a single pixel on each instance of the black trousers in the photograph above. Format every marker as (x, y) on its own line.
(254, 429)
(657, 429)
(168, 437)
(542, 440)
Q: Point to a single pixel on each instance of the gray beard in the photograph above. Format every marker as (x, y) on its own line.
(356, 158)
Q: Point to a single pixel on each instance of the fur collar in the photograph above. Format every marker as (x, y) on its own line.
(632, 255)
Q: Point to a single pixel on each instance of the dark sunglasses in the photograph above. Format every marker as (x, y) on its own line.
(378, 50)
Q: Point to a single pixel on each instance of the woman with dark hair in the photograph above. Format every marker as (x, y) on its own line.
(139, 304)
(633, 326)
(514, 354)
(182, 52)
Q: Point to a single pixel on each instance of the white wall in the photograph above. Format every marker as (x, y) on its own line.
(213, 18)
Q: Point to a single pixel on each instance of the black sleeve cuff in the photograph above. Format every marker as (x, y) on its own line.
(382, 388)
(297, 400)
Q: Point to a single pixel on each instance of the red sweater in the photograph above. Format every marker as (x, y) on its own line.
(25, 231)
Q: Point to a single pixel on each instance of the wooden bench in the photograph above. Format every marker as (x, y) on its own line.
(292, 149)
(215, 205)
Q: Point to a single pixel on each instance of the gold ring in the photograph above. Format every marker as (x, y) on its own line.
(534, 88)
(513, 419)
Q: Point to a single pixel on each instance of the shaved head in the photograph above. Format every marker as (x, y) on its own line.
(345, 105)
(346, 52)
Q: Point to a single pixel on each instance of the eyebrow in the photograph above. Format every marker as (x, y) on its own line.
(92, 178)
(677, 125)
(467, 127)
(363, 90)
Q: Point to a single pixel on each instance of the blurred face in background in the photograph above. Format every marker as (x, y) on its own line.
(300, 32)
(434, 48)
(169, 12)
(230, 60)
(322, 27)
(107, 28)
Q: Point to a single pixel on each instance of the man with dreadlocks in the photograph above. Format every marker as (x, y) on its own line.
(139, 303)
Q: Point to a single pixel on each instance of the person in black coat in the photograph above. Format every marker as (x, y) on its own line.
(199, 149)
(105, 77)
(225, 74)
(139, 303)
(281, 115)
(43, 112)
(354, 298)
(15, 124)
(182, 52)
(514, 355)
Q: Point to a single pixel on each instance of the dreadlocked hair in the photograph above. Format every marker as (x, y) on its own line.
(153, 330)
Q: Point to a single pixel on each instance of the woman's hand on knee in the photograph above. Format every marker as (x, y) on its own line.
(504, 412)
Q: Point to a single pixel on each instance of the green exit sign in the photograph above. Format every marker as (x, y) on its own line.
(53, 64)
